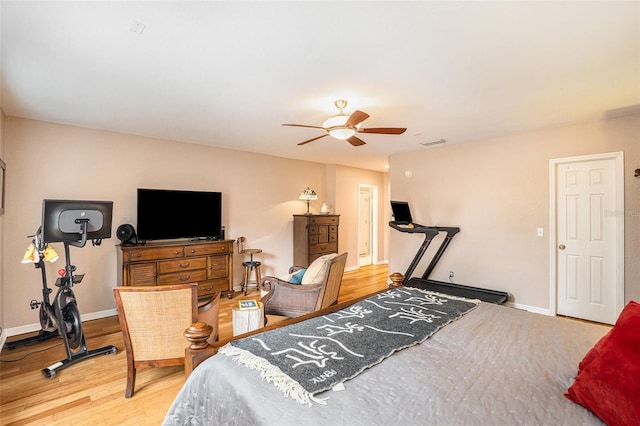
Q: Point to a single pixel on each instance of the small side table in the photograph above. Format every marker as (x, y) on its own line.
(246, 320)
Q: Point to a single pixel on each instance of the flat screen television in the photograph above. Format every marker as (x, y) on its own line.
(62, 220)
(165, 214)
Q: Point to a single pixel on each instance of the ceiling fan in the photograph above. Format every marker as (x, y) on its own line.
(345, 127)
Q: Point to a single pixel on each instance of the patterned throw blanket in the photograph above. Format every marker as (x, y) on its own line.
(312, 356)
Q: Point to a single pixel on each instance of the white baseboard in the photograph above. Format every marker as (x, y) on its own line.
(533, 309)
(29, 328)
(3, 338)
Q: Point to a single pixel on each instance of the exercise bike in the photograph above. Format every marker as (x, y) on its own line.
(70, 218)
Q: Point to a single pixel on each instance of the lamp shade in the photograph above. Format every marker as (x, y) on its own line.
(308, 194)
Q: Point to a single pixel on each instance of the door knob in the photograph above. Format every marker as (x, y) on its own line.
(562, 247)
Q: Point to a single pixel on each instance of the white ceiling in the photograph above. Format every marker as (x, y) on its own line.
(228, 74)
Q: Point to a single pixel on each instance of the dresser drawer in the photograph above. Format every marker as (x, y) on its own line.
(323, 234)
(183, 277)
(323, 248)
(186, 264)
(155, 253)
(204, 249)
(323, 220)
(210, 287)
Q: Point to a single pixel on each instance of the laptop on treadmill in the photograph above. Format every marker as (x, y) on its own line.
(401, 212)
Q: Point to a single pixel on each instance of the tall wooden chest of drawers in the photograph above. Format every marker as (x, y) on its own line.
(208, 263)
(314, 236)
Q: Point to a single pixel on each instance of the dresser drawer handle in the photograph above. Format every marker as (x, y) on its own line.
(138, 254)
(176, 252)
(207, 288)
(184, 266)
(193, 250)
(184, 278)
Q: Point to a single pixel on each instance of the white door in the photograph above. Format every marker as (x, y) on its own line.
(588, 239)
(364, 227)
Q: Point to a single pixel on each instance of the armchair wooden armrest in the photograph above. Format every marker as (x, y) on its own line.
(199, 348)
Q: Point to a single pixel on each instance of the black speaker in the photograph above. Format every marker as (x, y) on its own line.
(127, 234)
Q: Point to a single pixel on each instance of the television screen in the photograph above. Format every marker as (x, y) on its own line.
(170, 214)
(62, 219)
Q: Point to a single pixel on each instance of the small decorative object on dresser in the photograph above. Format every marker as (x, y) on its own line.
(314, 236)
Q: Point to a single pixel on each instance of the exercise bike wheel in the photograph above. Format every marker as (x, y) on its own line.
(73, 324)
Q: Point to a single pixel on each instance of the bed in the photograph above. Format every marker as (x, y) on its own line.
(492, 365)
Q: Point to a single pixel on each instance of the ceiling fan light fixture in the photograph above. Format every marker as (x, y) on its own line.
(336, 127)
(342, 132)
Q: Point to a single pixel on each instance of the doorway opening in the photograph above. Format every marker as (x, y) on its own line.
(367, 224)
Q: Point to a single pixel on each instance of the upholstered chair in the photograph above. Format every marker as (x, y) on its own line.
(304, 291)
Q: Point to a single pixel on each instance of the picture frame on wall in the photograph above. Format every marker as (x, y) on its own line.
(3, 170)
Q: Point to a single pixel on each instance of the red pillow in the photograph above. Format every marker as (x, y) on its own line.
(608, 380)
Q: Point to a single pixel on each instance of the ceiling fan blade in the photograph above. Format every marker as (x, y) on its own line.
(313, 139)
(303, 125)
(384, 130)
(355, 141)
(356, 118)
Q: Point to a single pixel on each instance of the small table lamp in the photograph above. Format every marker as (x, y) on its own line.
(308, 195)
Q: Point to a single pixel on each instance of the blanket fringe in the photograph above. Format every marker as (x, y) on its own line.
(272, 374)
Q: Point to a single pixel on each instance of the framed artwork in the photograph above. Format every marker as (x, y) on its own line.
(3, 170)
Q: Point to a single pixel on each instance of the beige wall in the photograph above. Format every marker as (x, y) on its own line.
(497, 192)
(55, 161)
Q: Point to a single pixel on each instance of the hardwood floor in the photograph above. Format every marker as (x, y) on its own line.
(91, 392)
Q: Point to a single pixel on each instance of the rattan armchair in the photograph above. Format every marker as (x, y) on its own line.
(292, 300)
(153, 320)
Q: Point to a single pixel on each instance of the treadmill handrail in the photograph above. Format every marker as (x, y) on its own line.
(424, 229)
(430, 232)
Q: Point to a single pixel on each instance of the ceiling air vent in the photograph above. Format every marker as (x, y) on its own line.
(438, 142)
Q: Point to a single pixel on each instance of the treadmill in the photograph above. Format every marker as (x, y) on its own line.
(403, 222)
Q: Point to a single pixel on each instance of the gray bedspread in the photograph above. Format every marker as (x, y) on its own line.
(494, 366)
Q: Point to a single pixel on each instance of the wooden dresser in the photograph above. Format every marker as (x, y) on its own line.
(208, 263)
(313, 236)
